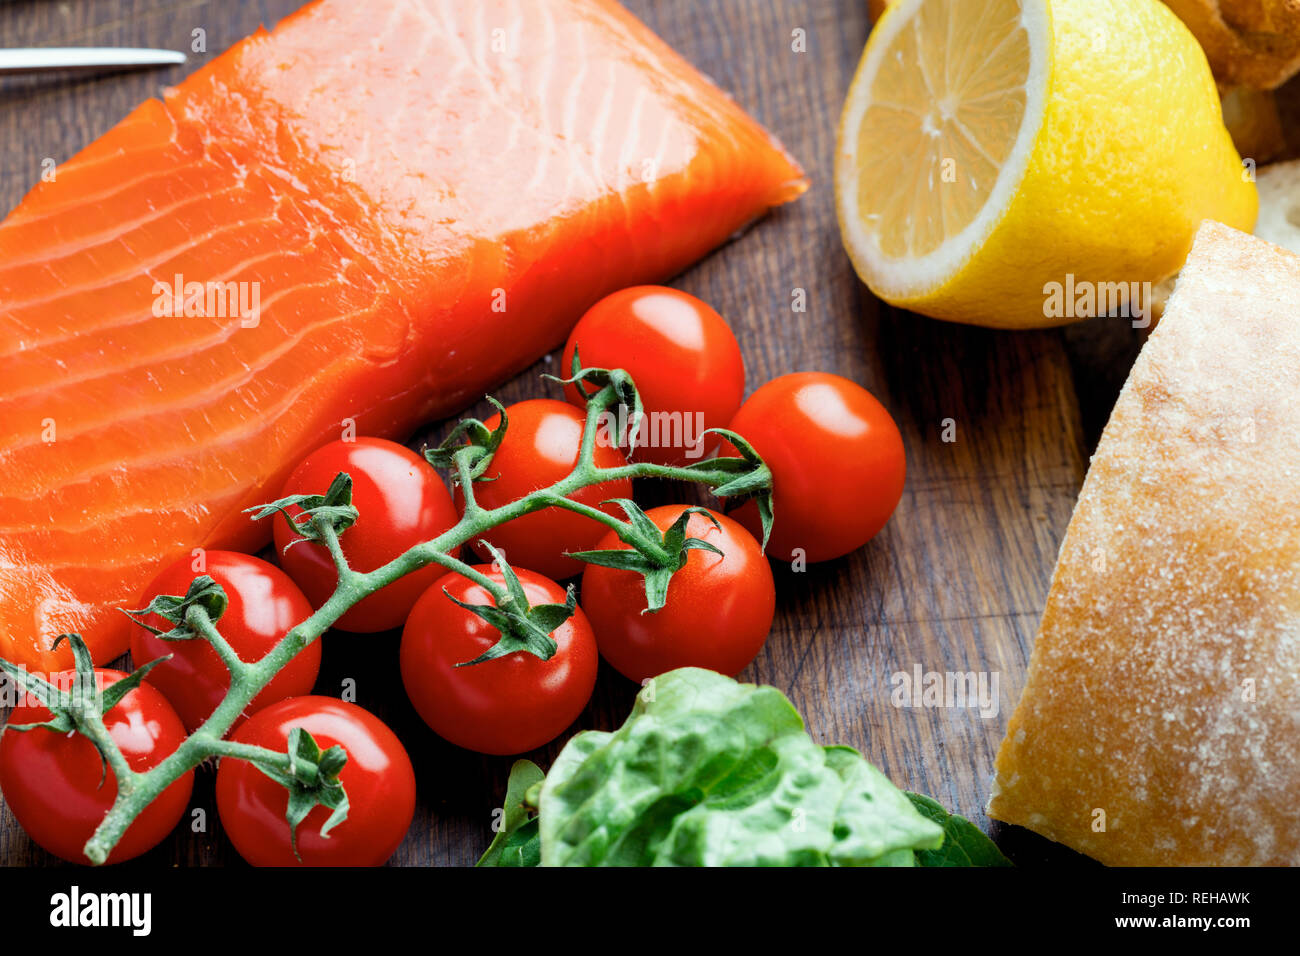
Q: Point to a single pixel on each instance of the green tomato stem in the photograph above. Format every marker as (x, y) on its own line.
(92, 726)
(466, 481)
(197, 618)
(263, 755)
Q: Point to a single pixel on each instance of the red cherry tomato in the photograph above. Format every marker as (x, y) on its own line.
(506, 705)
(401, 502)
(378, 778)
(52, 781)
(541, 447)
(683, 357)
(836, 458)
(264, 605)
(718, 611)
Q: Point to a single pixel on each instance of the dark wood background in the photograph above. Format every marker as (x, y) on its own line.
(958, 579)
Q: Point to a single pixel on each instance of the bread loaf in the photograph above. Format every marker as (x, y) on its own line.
(1160, 723)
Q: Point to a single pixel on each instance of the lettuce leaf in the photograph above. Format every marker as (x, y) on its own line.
(518, 842)
(964, 844)
(710, 772)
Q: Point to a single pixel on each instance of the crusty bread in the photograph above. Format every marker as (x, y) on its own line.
(1279, 204)
(1160, 294)
(1262, 16)
(1160, 723)
(1248, 42)
(1254, 123)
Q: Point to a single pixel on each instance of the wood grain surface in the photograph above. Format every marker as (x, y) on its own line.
(957, 580)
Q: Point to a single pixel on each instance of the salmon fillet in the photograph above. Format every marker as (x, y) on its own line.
(410, 199)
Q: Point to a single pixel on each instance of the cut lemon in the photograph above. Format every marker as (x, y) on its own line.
(996, 157)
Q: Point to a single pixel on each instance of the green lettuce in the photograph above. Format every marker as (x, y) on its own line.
(517, 842)
(710, 772)
(964, 844)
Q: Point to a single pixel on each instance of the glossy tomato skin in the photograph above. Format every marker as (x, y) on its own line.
(718, 613)
(541, 447)
(683, 357)
(837, 463)
(52, 782)
(507, 705)
(401, 502)
(378, 778)
(264, 605)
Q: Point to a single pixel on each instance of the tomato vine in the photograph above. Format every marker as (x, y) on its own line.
(309, 774)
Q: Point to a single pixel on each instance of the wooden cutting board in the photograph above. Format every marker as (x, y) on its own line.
(997, 428)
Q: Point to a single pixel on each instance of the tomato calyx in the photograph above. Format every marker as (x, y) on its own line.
(737, 478)
(470, 444)
(312, 778)
(523, 628)
(655, 556)
(203, 592)
(83, 703)
(619, 388)
(317, 513)
(753, 478)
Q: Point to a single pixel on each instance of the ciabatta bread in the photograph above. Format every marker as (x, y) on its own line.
(1160, 724)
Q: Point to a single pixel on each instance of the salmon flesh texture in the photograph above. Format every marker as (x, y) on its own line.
(401, 203)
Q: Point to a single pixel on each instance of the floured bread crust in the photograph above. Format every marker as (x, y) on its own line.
(1160, 724)
(1248, 42)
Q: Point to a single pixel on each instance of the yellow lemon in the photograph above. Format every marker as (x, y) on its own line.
(1017, 163)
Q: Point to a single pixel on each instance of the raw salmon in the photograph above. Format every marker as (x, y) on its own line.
(374, 212)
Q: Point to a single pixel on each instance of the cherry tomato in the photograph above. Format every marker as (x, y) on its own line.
(52, 781)
(506, 705)
(401, 502)
(541, 447)
(836, 458)
(718, 612)
(683, 357)
(264, 605)
(378, 778)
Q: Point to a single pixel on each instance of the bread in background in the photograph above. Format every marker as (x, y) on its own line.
(1252, 43)
(1254, 123)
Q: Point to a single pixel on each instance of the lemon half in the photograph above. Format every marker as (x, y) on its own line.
(993, 153)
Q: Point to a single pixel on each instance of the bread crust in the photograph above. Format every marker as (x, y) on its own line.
(1160, 722)
(1253, 43)
(1254, 123)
